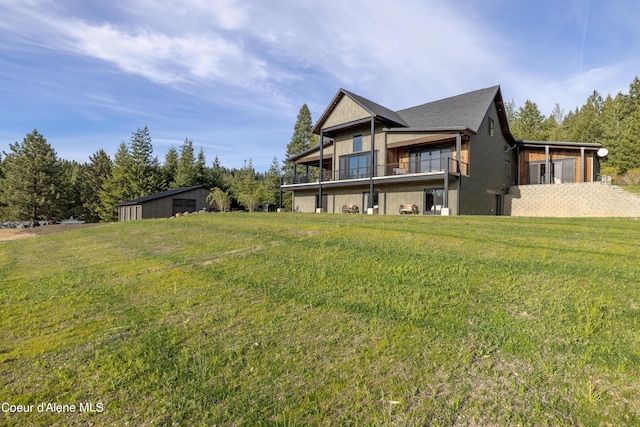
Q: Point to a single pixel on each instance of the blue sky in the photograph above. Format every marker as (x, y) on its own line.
(232, 75)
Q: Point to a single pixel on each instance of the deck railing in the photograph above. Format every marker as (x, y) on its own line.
(449, 165)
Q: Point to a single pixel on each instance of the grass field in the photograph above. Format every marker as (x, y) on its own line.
(296, 320)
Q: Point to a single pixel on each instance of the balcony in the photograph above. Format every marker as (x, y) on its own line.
(392, 172)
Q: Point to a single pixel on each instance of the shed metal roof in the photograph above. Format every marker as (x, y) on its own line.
(160, 195)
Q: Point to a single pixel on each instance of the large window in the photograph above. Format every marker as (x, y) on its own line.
(429, 160)
(355, 166)
(561, 171)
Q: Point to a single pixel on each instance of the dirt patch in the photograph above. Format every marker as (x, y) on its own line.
(7, 234)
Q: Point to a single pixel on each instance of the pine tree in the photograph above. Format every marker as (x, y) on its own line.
(246, 188)
(529, 123)
(31, 186)
(219, 176)
(95, 174)
(202, 174)
(584, 124)
(301, 140)
(272, 183)
(144, 172)
(170, 168)
(627, 153)
(116, 188)
(73, 190)
(186, 172)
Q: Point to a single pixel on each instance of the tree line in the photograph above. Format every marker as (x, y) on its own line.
(35, 184)
(613, 121)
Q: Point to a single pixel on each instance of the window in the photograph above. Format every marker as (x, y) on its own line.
(491, 126)
(429, 160)
(507, 168)
(355, 166)
(357, 143)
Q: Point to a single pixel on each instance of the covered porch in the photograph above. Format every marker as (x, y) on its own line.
(541, 162)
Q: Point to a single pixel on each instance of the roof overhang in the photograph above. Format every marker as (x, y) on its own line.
(556, 144)
(296, 157)
(427, 139)
(376, 111)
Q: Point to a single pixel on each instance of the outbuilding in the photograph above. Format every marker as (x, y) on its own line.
(164, 204)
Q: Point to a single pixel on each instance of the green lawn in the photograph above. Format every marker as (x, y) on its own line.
(632, 188)
(296, 320)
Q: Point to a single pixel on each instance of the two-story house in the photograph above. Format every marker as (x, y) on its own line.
(454, 156)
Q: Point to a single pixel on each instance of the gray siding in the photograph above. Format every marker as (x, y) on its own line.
(163, 207)
(487, 169)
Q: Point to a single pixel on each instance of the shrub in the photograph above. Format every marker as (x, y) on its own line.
(631, 177)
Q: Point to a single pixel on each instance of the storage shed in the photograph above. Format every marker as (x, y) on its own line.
(165, 204)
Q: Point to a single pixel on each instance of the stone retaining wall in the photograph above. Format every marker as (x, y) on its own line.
(592, 199)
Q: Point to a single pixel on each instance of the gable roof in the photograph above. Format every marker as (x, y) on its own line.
(462, 111)
(376, 110)
(160, 195)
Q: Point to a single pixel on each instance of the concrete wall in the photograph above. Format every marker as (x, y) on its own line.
(571, 200)
(304, 201)
(390, 197)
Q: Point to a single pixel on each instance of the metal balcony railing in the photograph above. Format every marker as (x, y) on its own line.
(447, 165)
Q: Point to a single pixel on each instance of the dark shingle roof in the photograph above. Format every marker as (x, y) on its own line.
(461, 111)
(159, 195)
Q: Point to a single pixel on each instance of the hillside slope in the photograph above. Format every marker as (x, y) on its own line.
(284, 319)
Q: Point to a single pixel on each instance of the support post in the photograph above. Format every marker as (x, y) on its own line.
(458, 151)
(547, 164)
(582, 165)
(373, 160)
(321, 172)
(445, 201)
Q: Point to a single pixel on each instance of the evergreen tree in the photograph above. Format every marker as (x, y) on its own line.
(272, 183)
(627, 154)
(246, 188)
(219, 176)
(186, 172)
(529, 123)
(170, 168)
(95, 174)
(302, 139)
(116, 187)
(73, 190)
(31, 184)
(584, 124)
(144, 171)
(202, 174)
(3, 205)
(553, 124)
